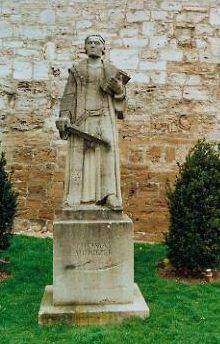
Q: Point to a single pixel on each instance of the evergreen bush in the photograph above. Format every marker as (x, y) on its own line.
(8, 203)
(193, 240)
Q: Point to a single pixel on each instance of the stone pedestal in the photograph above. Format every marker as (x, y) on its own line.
(93, 277)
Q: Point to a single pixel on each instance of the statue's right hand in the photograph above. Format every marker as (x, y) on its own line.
(62, 123)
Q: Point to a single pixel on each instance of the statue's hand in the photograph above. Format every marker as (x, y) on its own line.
(115, 85)
(62, 123)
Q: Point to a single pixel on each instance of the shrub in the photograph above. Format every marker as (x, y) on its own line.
(193, 240)
(8, 203)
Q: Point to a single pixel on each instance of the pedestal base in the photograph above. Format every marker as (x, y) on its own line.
(93, 258)
(91, 314)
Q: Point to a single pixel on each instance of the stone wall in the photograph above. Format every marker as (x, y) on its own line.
(172, 51)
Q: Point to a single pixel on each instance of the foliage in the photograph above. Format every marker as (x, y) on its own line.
(8, 203)
(176, 309)
(193, 240)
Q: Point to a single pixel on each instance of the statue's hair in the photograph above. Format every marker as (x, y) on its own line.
(96, 35)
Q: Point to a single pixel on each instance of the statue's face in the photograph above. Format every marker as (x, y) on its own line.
(94, 47)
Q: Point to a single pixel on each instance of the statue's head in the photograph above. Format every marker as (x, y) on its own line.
(95, 45)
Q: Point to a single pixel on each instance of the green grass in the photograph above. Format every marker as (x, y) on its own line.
(180, 313)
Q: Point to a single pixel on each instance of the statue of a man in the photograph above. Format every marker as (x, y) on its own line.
(93, 97)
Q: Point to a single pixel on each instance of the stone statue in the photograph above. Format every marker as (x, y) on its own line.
(93, 244)
(93, 97)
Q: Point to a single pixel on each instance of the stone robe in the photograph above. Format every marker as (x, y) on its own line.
(92, 172)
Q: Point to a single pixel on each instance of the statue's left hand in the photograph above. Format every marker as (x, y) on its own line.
(115, 85)
(62, 123)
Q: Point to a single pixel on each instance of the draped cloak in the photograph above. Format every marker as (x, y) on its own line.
(92, 173)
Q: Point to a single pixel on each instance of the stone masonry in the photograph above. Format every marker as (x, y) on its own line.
(171, 49)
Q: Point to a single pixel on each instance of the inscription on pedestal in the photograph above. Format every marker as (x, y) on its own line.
(92, 249)
(89, 266)
(85, 255)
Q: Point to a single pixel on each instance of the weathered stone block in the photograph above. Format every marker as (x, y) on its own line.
(138, 16)
(201, 43)
(215, 46)
(140, 78)
(195, 93)
(206, 56)
(16, 18)
(215, 16)
(82, 24)
(170, 154)
(185, 36)
(161, 15)
(3, 101)
(136, 43)
(193, 80)
(171, 93)
(5, 70)
(129, 32)
(136, 155)
(154, 153)
(6, 29)
(47, 17)
(177, 78)
(191, 55)
(204, 29)
(123, 58)
(158, 41)
(33, 32)
(191, 17)
(41, 71)
(12, 44)
(171, 6)
(158, 77)
(63, 55)
(148, 65)
(196, 7)
(95, 256)
(22, 70)
(28, 53)
(50, 51)
(171, 54)
(136, 4)
(148, 28)
(91, 314)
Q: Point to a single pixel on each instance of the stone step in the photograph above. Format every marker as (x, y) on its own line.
(89, 213)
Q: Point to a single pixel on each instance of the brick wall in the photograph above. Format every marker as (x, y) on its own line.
(172, 51)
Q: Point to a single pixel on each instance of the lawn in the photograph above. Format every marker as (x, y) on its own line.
(180, 313)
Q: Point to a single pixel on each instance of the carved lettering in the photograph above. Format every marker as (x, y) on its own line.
(92, 249)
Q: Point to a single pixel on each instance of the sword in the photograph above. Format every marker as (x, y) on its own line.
(73, 129)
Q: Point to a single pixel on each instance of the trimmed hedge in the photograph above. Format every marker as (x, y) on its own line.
(8, 203)
(193, 240)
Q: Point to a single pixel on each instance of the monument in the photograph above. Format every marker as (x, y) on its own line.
(93, 275)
